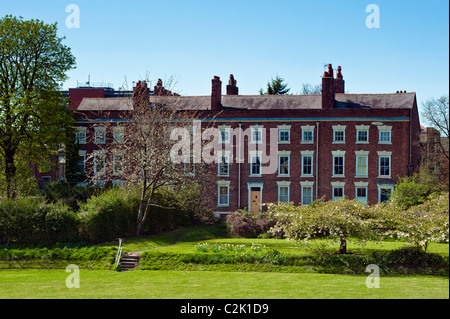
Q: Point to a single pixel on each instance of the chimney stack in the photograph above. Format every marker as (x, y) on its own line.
(232, 89)
(216, 94)
(328, 89)
(141, 94)
(340, 83)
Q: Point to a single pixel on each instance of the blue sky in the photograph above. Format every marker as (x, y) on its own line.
(254, 40)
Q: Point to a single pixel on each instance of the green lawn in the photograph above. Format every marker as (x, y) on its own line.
(254, 281)
(45, 284)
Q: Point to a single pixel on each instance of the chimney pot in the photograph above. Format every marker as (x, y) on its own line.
(232, 89)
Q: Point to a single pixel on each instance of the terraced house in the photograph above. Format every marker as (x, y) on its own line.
(283, 147)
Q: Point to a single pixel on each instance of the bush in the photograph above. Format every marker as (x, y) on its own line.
(244, 224)
(177, 208)
(109, 215)
(70, 195)
(32, 220)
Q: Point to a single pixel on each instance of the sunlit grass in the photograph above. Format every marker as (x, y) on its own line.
(212, 285)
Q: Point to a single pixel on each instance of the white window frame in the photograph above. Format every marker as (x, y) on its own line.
(220, 164)
(360, 155)
(304, 155)
(118, 134)
(224, 134)
(120, 153)
(286, 154)
(384, 154)
(284, 184)
(100, 130)
(259, 129)
(223, 184)
(384, 129)
(284, 129)
(384, 186)
(307, 129)
(337, 185)
(82, 154)
(335, 155)
(362, 128)
(96, 154)
(361, 185)
(336, 129)
(80, 130)
(255, 155)
(303, 186)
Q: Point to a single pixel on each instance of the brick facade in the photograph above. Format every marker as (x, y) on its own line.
(381, 130)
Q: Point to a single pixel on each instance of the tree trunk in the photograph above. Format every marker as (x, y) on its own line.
(343, 247)
(139, 220)
(10, 173)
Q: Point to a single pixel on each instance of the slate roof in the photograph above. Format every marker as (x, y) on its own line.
(260, 102)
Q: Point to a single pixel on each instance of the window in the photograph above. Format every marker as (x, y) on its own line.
(307, 163)
(361, 194)
(255, 164)
(224, 164)
(283, 194)
(118, 165)
(118, 134)
(362, 134)
(384, 192)
(307, 195)
(80, 136)
(338, 163)
(223, 193)
(99, 162)
(81, 164)
(283, 163)
(384, 164)
(385, 137)
(385, 168)
(384, 134)
(283, 191)
(307, 134)
(339, 133)
(256, 134)
(338, 192)
(284, 134)
(100, 135)
(361, 191)
(362, 160)
(224, 134)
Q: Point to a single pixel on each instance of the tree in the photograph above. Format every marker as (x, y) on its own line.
(142, 154)
(336, 220)
(436, 113)
(34, 120)
(276, 87)
(311, 89)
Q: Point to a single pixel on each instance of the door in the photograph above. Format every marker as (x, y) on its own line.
(255, 200)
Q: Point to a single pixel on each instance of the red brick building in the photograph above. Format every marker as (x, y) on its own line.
(328, 145)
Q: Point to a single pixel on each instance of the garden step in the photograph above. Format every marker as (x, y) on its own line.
(129, 262)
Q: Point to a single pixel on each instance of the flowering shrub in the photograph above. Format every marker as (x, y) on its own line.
(421, 224)
(336, 220)
(339, 220)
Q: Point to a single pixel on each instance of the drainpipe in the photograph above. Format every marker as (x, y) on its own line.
(317, 160)
(239, 166)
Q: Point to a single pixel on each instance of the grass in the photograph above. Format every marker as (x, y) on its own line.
(185, 272)
(50, 284)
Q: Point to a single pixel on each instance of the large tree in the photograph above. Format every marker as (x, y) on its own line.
(34, 120)
(276, 87)
(153, 149)
(436, 114)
